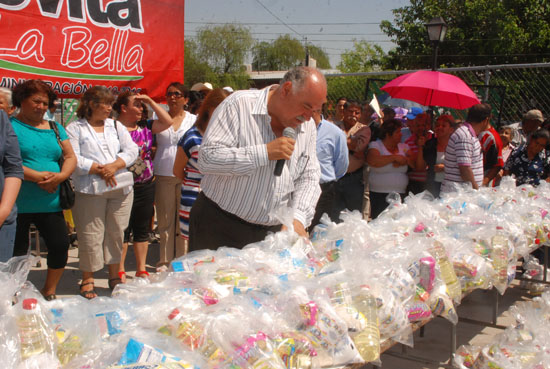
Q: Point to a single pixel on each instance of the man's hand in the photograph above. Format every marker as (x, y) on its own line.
(298, 228)
(439, 168)
(280, 148)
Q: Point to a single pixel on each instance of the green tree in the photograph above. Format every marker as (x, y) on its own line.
(364, 57)
(195, 69)
(320, 56)
(480, 32)
(224, 47)
(284, 53)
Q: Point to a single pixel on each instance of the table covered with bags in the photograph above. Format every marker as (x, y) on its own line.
(287, 302)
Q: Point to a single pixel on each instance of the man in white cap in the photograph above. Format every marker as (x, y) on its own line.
(203, 88)
(532, 120)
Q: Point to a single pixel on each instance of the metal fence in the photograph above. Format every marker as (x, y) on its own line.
(511, 90)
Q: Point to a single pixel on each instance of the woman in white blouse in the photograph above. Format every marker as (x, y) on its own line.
(103, 186)
(168, 187)
(388, 160)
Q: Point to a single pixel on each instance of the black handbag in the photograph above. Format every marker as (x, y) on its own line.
(66, 188)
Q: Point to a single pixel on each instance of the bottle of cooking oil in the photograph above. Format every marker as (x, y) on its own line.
(33, 333)
(447, 271)
(367, 340)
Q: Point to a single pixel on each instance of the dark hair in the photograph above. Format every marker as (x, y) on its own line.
(94, 96)
(184, 91)
(122, 99)
(389, 127)
(388, 111)
(478, 113)
(540, 133)
(212, 100)
(195, 101)
(352, 102)
(341, 98)
(30, 87)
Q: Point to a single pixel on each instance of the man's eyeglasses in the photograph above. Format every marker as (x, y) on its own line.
(174, 93)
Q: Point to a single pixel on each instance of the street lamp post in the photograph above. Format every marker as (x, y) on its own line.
(437, 29)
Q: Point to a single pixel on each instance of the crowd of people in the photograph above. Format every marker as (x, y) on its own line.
(248, 163)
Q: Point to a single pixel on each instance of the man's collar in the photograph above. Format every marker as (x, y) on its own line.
(260, 108)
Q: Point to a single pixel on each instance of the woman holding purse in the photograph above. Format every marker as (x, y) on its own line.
(38, 200)
(129, 108)
(103, 186)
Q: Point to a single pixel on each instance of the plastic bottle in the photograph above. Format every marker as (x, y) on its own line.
(340, 295)
(300, 361)
(69, 349)
(32, 330)
(447, 271)
(499, 254)
(367, 341)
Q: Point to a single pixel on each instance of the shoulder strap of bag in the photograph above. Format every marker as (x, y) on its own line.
(53, 126)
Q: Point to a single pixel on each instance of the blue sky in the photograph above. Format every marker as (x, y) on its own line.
(330, 24)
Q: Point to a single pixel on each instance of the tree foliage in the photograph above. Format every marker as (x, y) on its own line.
(196, 70)
(480, 32)
(320, 56)
(364, 57)
(225, 47)
(284, 53)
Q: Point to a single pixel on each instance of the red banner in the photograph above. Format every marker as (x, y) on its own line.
(76, 44)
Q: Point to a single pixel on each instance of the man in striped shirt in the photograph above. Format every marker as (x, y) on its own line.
(238, 155)
(463, 156)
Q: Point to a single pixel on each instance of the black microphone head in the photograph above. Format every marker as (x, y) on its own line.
(289, 132)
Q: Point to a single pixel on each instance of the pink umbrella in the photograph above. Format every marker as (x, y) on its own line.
(431, 88)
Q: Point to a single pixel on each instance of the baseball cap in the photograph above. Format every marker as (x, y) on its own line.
(534, 115)
(413, 112)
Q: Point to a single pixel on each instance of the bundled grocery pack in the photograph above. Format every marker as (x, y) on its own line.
(522, 346)
(288, 302)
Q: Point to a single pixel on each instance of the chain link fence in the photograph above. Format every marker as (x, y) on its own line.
(511, 90)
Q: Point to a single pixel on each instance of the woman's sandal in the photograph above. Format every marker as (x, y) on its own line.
(90, 294)
(122, 276)
(113, 282)
(49, 297)
(142, 274)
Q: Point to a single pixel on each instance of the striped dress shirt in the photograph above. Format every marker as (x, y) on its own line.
(238, 175)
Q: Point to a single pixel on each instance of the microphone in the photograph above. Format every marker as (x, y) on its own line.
(290, 133)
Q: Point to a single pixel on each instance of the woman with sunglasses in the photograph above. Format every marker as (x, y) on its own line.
(168, 187)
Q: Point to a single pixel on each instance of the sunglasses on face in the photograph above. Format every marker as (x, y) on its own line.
(174, 93)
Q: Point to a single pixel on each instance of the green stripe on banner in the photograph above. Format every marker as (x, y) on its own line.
(58, 73)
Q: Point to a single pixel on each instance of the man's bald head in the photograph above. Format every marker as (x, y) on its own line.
(299, 76)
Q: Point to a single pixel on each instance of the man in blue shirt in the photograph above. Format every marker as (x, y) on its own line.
(332, 153)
